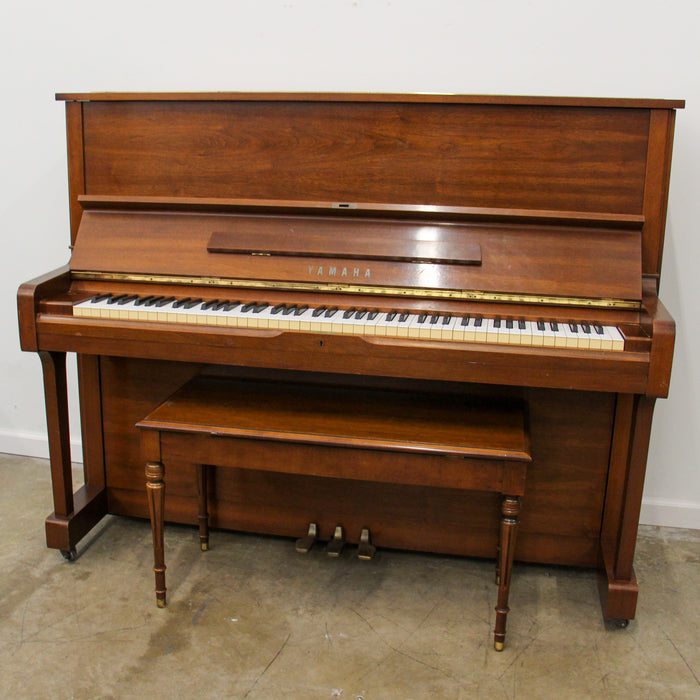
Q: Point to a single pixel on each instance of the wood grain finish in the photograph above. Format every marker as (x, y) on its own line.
(489, 155)
(562, 195)
(540, 260)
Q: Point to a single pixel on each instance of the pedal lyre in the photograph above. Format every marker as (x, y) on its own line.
(366, 550)
(335, 546)
(304, 544)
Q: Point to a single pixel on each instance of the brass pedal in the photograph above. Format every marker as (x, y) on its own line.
(335, 546)
(366, 550)
(304, 544)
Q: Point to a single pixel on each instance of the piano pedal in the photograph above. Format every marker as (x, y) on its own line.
(366, 550)
(335, 546)
(304, 544)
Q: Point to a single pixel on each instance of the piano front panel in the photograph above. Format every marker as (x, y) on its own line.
(571, 433)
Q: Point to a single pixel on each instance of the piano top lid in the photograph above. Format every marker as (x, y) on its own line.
(597, 156)
(425, 97)
(316, 248)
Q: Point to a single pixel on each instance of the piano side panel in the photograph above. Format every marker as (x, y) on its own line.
(563, 506)
(528, 157)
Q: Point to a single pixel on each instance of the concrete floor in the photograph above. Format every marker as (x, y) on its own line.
(253, 619)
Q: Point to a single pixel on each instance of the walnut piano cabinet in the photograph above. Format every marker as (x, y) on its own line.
(512, 210)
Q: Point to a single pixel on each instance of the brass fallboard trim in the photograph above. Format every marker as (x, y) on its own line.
(459, 294)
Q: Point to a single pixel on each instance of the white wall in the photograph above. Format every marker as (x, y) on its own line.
(628, 48)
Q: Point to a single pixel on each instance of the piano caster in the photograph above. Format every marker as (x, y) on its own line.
(498, 646)
(335, 546)
(620, 623)
(366, 550)
(304, 544)
(204, 546)
(69, 554)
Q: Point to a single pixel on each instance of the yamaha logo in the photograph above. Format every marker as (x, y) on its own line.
(339, 272)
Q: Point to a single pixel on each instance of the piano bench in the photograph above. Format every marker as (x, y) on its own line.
(440, 441)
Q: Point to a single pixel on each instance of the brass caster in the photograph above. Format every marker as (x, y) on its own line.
(69, 554)
(204, 546)
(335, 546)
(304, 544)
(160, 602)
(498, 646)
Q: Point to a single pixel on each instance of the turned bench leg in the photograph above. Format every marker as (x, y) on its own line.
(203, 512)
(155, 491)
(510, 507)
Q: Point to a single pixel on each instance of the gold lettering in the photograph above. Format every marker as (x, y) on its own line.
(356, 272)
(367, 273)
(311, 269)
(331, 272)
(344, 273)
(320, 270)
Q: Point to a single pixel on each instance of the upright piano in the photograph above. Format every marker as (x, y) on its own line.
(485, 246)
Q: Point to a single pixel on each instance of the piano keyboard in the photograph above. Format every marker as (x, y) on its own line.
(470, 328)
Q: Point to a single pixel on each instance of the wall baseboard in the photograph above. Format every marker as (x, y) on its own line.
(30, 444)
(670, 513)
(655, 511)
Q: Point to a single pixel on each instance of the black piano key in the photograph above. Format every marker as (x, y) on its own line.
(191, 303)
(164, 301)
(372, 314)
(100, 297)
(540, 326)
(276, 309)
(521, 325)
(331, 312)
(181, 302)
(496, 322)
(248, 307)
(479, 321)
(349, 312)
(301, 310)
(598, 329)
(465, 320)
(404, 317)
(142, 301)
(114, 300)
(209, 304)
(573, 327)
(509, 323)
(434, 319)
(153, 301)
(391, 315)
(319, 310)
(221, 306)
(446, 319)
(127, 299)
(422, 317)
(287, 310)
(360, 314)
(259, 308)
(586, 327)
(228, 306)
(554, 326)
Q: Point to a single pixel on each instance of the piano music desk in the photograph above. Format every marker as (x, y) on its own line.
(397, 437)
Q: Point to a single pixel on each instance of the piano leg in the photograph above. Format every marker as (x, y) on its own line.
(75, 514)
(618, 584)
(56, 398)
(510, 507)
(155, 490)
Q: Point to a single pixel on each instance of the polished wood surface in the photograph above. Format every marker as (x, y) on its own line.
(565, 199)
(374, 435)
